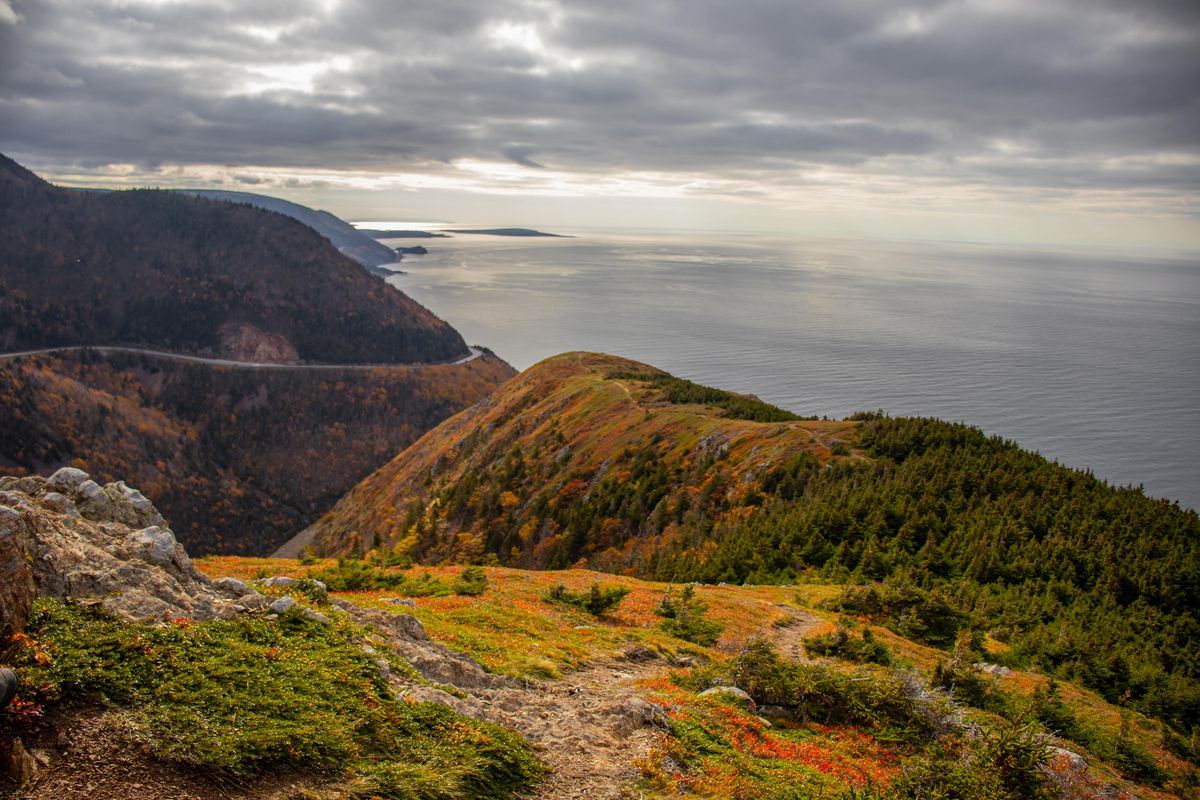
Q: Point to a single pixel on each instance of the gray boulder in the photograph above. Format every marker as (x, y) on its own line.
(233, 587)
(435, 662)
(734, 692)
(66, 480)
(156, 545)
(994, 669)
(283, 604)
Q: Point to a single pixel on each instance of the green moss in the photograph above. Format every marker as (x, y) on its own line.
(247, 696)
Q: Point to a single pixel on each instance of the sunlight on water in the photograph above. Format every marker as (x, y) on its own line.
(1090, 359)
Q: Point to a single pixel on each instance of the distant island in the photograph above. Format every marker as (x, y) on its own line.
(509, 232)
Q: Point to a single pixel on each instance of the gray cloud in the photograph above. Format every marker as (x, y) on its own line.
(1067, 96)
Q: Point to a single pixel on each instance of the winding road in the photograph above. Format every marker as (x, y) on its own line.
(222, 362)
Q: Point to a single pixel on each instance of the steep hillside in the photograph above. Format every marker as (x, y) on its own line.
(239, 459)
(344, 236)
(165, 270)
(591, 460)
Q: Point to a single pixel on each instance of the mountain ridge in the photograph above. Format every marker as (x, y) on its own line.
(162, 269)
(344, 236)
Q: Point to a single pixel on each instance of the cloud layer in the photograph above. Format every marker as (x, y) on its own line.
(1093, 101)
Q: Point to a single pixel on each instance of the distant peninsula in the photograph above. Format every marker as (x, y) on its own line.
(379, 234)
(508, 232)
(446, 233)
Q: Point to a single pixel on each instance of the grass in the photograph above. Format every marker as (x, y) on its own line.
(511, 629)
(247, 697)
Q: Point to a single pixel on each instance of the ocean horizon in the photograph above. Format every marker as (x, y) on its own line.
(1086, 356)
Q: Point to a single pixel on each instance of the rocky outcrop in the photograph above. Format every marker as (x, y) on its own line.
(241, 341)
(17, 589)
(68, 537)
(435, 662)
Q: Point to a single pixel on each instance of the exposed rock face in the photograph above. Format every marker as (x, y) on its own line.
(17, 588)
(67, 536)
(241, 341)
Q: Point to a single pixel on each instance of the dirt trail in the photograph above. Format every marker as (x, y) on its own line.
(589, 732)
(789, 638)
(590, 727)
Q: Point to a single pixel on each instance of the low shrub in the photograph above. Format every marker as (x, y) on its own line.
(597, 600)
(473, 581)
(684, 618)
(884, 700)
(864, 648)
(925, 615)
(354, 575)
(1006, 763)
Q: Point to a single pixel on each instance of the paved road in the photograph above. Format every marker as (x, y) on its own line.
(222, 362)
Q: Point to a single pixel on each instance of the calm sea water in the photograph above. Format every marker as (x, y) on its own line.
(1091, 358)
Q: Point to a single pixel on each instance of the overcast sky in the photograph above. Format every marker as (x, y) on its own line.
(1013, 120)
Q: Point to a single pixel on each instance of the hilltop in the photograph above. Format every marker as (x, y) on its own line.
(595, 461)
(577, 425)
(166, 270)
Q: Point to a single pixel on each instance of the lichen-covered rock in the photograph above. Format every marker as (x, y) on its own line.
(253, 602)
(1068, 757)
(315, 616)
(66, 480)
(283, 604)
(234, 587)
(156, 545)
(26, 484)
(59, 504)
(117, 548)
(636, 712)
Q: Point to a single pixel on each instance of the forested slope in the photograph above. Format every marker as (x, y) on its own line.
(238, 459)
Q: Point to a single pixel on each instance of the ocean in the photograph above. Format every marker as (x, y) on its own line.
(1090, 357)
